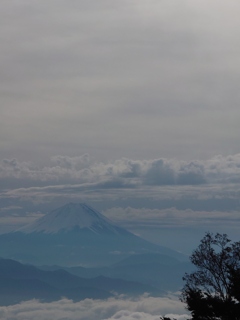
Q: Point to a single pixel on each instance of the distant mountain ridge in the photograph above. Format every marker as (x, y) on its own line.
(20, 282)
(158, 270)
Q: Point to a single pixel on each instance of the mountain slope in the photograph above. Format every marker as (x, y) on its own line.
(75, 234)
(74, 217)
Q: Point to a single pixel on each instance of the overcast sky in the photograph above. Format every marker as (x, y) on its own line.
(123, 104)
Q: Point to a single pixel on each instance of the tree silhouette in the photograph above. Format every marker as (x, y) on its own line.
(212, 292)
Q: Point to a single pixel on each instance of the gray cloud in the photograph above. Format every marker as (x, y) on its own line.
(160, 183)
(172, 218)
(123, 172)
(114, 308)
(119, 78)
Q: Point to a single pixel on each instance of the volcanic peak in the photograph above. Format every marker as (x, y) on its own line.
(71, 216)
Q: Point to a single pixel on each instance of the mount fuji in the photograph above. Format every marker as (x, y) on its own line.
(74, 217)
(75, 235)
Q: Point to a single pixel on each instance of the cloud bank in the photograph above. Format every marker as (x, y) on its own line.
(171, 217)
(144, 307)
(84, 178)
(125, 172)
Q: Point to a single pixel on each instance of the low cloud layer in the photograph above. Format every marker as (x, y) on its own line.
(84, 179)
(123, 172)
(171, 217)
(147, 308)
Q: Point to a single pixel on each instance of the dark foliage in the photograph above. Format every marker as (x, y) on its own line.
(212, 292)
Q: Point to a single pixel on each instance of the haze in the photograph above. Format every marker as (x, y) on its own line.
(129, 106)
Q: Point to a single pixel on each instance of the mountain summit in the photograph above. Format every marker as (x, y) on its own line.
(72, 235)
(73, 217)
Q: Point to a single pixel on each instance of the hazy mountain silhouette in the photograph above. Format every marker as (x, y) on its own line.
(75, 234)
(20, 282)
(157, 270)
